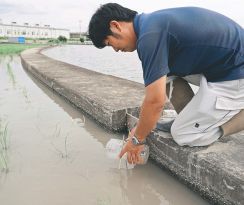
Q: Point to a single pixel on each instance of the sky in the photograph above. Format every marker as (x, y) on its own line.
(75, 14)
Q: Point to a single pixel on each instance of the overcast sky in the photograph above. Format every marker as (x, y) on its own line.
(75, 14)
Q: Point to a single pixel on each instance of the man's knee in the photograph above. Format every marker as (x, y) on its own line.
(185, 136)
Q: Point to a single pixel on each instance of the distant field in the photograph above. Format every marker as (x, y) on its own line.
(6, 49)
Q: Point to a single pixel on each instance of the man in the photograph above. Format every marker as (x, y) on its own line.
(180, 45)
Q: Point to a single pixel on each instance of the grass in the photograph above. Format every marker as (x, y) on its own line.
(6, 49)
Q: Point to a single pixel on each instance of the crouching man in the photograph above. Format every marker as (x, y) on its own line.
(177, 46)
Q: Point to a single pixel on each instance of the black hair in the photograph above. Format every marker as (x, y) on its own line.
(99, 27)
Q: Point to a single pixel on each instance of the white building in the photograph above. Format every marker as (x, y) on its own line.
(29, 31)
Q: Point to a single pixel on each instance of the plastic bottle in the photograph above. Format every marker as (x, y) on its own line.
(114, 147)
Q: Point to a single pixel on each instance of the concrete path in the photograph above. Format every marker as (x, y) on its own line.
(216, 171)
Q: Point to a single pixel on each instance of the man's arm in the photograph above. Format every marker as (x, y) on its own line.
(151, 108)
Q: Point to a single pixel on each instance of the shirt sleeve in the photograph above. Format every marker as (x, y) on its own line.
(153, 52)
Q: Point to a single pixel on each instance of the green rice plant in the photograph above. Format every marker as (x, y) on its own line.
(11, 74)
(103, 201)
(63, 154)
(3, 148)
(3, 161)
(65, 147)
(57, 133)
(4, 135)
(25, 94)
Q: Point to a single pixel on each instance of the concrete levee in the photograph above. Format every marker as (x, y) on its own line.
(216, 171)
(103, 97)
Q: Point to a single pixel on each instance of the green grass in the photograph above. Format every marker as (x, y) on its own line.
(6, 49)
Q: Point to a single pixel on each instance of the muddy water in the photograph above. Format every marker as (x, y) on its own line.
(55, 155)
(121, 64)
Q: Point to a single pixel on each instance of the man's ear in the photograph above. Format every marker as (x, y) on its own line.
(115, 26)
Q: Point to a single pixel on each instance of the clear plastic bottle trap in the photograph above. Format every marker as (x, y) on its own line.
(114, 147)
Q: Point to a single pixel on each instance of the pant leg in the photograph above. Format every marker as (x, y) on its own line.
(198, 123)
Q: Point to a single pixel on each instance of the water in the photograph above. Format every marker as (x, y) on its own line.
(106, 60)
(56, 155)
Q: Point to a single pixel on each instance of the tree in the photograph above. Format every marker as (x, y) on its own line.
(62, 39)
(82, 39)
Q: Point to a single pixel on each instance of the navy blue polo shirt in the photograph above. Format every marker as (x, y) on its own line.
(189, 40)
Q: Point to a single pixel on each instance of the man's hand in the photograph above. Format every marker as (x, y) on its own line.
(133, 151)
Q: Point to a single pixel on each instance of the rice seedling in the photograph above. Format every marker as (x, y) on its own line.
(4, 135)
(3, 148)
(63, 153)
(57, 131)
(65, 147)
(11, 74)
(101, 201)
(3, 161)
(25, 94)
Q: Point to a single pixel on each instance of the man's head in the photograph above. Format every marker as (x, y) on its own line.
(112, 25)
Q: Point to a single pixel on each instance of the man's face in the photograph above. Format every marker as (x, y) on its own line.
(123, 37)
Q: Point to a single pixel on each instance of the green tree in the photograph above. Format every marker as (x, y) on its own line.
(82, 39)
(62, 39)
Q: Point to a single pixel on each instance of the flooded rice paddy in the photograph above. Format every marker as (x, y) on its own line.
(106, 60)
(50, 153)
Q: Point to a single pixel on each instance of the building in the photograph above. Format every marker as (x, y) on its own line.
(31, 31)
(77, 35)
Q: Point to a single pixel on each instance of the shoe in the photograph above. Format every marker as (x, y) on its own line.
(165, 126)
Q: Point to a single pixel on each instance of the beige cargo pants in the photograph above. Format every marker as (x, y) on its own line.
(199, 121)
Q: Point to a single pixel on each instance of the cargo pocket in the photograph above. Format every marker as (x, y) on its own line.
(224, 103)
